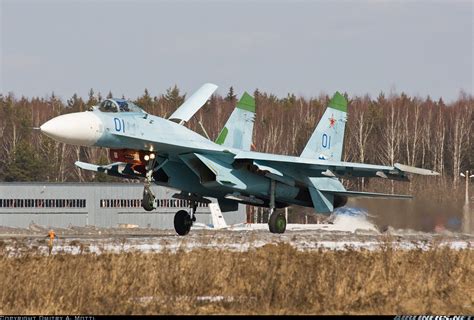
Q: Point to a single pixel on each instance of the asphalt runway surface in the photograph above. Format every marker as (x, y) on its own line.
(78, 240)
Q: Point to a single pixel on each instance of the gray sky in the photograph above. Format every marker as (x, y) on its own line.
(303, 47)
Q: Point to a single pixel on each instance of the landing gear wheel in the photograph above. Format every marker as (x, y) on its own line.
(277, 223)
(148, 200)
(182, 222)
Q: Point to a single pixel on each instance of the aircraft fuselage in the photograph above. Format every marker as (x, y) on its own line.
(175, 144)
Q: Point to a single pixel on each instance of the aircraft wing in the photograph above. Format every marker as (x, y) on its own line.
(194, 103)
(289, 165)
(117, 169)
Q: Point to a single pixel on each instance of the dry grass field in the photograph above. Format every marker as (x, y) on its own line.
(273, 279)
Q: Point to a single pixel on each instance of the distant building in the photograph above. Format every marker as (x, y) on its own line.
(97, 204)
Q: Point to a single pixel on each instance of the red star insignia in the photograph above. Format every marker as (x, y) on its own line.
(332, 122)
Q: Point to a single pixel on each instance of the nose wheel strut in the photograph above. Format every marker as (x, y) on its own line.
(148, 200)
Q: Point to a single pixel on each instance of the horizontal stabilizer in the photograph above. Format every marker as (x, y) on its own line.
(360, 194)
(194, 103)
(415, 170)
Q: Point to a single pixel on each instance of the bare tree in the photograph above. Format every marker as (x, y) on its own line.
(461, 129)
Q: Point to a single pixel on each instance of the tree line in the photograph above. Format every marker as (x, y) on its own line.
(387, 129)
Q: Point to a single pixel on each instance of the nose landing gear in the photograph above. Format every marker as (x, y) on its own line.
(148, 200)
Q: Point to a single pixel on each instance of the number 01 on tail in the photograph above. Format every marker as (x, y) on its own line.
(326, 141)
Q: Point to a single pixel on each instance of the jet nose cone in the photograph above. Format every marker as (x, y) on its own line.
(83, 128)
(50, 127)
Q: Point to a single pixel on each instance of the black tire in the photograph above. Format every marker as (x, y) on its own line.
(182, 222)
(148, 201)
(277, 223)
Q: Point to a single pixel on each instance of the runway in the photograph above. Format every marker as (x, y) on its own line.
(77, 240)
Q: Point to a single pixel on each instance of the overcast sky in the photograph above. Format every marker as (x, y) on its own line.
(303, 47)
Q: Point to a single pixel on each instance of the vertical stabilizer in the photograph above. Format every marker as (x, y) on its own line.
(237, 132)
(328, 137)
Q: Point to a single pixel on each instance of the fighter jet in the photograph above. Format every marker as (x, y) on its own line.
(165, 152)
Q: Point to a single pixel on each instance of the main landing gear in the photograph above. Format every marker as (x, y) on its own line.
(183, 220)
(276, 221)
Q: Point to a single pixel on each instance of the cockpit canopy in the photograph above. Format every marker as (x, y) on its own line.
(119, 105)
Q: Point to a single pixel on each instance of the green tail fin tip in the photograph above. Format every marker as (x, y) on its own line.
(338, 102)
(247, 102)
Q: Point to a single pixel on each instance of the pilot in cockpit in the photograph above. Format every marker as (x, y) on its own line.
(116, 105)
(124, 107)
(108, 106)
